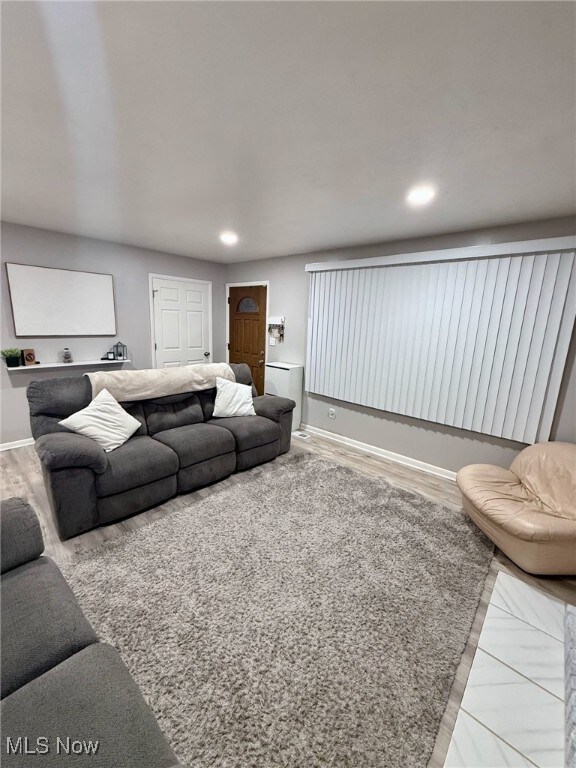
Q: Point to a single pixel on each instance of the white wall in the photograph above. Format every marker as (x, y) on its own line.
(429, 442)
(130, 267)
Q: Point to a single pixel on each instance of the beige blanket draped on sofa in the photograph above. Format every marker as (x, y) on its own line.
(129, 386)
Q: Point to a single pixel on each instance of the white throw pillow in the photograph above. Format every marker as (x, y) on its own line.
(233, 399)
(104, 420)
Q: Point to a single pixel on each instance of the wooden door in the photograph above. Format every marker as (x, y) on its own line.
(248, 330)
(182, 322)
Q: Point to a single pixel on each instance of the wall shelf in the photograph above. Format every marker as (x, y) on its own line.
(54, 366)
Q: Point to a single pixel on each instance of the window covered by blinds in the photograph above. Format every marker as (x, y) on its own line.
(471, 338)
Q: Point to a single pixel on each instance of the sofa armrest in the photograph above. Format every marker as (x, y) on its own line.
(63, 450)
(278, 409)
(20, 534)
(273, 407)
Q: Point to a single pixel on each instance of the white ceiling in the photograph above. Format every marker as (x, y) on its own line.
(299, 125)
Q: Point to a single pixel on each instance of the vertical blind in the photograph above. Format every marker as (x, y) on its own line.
(475, 343)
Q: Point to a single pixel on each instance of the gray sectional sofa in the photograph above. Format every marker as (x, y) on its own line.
(58, 681)
(178, 448)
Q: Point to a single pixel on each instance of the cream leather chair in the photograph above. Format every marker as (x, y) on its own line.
(529, 510)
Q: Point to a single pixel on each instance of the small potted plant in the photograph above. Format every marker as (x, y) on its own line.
(12, 357)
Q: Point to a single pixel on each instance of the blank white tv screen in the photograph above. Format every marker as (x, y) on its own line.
(61, 302)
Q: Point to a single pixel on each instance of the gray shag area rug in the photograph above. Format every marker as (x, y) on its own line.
(303, 616)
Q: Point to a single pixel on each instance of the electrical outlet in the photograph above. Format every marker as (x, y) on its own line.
(331, 413)
(272, 341)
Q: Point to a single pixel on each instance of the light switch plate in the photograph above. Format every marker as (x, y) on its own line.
(272, 341)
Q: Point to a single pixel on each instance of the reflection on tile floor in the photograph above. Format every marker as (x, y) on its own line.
(529, 651)
(473, 744)
(529, 604)
(512, 712)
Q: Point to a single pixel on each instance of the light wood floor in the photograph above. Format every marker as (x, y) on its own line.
(20, 475)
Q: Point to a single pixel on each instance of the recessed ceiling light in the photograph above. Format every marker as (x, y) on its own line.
(421, 195)
(229, 238)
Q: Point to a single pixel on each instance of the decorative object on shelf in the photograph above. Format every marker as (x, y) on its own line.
(110, 355)
(29, 357)
(12, 356)
(120, 351)
(67, 356)
(276, 329)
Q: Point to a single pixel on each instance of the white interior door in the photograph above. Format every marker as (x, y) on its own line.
(182, 322)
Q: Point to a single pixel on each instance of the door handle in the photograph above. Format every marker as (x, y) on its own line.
(260, 362)
(206, 354)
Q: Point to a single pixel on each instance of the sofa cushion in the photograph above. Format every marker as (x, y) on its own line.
(171, 412)
(207, 399)
(139, 461)
(137, 411)
(497, 492)
(59, 397)
(197, 442)
(206, 472)
(258, 455)
(250, 431)
(42, 624)
(51, 400)
(119, 505)
(90, 696)
(501, 498)
(243, 375)
(547, 471)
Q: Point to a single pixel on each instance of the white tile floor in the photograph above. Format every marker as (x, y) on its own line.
(512, 712)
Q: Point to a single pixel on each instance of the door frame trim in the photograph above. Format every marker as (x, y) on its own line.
(151, 277)
(242, 285)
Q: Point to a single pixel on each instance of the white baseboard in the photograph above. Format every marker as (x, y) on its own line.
(397, 458)
(16, 444)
